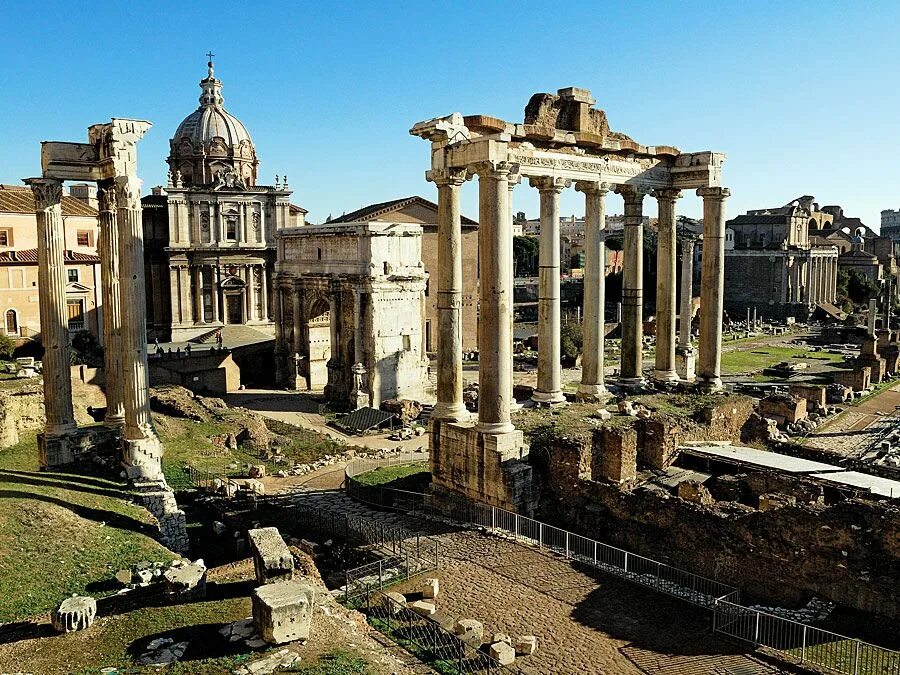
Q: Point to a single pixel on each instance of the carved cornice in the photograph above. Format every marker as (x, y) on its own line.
(47, 192)
(592, 187)
(553, 184)
(128, 192)
(714, 193)
(451, 177)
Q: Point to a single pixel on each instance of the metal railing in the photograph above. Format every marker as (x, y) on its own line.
(380, 574)
(621, 563)
(426, 638)
(378, 496)
(803, 644)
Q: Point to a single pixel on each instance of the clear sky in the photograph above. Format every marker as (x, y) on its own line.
(803, 97)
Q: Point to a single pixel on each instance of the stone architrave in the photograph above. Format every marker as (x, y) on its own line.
(449, 405)
(712, 286)
(54, 321)
(593, 387)
(631, 368)
(666, 287)
(549, 375)
(112, 306)
(283, 612)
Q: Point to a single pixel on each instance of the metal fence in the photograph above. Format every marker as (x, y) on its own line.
(378, 496)
(803, 644)
(379, 574)
(427, 638)
(624, 564)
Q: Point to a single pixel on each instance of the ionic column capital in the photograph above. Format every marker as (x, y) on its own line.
(495, 170)
(714, 193)
(452, 177)
(128, 192)
(47, 192)
(590, 187)
(549, 183)
(667, 194)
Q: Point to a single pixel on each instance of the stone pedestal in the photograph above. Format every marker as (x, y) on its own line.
(685, 363)
(283, 612)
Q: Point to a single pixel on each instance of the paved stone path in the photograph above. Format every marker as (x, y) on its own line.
(586, 621)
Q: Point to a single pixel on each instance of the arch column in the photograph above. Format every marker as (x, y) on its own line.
(666, 287)
(631, 367)
(593, 387)
(449, 282)
(52, 306)
(549, 375)
(495, 319)
(112, 306)
(712, 285)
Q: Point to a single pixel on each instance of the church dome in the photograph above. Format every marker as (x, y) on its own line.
(212, 146)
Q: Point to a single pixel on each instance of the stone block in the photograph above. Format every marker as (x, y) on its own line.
(283, 612)
(526, 645)
(394, 603)
(257, 471)
(422, 607)
(272, 559)
(617, 460)
(814, 394)
(783, 408)
(186, 580)
(430, 588)
(503, 653)
(772, 501)
(857, 379)
(469, 631)
(501, 637)
(75, 613)
(695, 492)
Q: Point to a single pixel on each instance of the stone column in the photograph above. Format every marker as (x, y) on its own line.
(592, 387)
(281, 350)
(813, 279)
(549, 375)
(449, 282)
(143, 451)
(631, 367)
(264, 291)
(685, 354)
(712, 288)
(199, 311)
(666, 287)
(52, 307)
(495, 321)
(112, 306)
(215, 278)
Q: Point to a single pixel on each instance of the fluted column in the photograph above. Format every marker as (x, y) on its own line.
(495, 320)
(685, 355)
(813, 280)
(593, 387)
(112, 306)
(281, 349)
(666, 287)
(199, 313)
(449, 282)
(52, 306)
(264, 292)
(142, 447)
(712, 285)
(631, 369)
(549, 374)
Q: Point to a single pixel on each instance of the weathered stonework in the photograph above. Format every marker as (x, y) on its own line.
(283, 612)
(272, 559)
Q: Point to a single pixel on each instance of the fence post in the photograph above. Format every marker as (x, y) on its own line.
(567, 544)
(626, 562)
(380, 575)
(517, 526)
(540, 535)
(595, 552)
(803, 650)
(493, 518)
(658, 575)
(856, 660)
(756, 634)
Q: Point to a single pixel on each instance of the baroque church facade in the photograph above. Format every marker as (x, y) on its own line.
(210, 233)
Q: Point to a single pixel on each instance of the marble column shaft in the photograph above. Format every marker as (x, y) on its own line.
(495, 320)
(449, 282)
(215, 278)
(199, 313)
(712, 287)
(112, 306)
(142, 443)
(666, 287)
(52, 306)
(549, 375)
(592, 380)
(631, 368)
(264, 293)
(687, 291)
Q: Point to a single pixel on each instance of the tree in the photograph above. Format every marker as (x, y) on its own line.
(856, 287)
(7, 347)
(571, 342)
(86, 349)
(525, 256)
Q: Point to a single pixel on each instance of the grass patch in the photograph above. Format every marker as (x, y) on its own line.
(749, 361)
(338, 662)
(411, 477)
(63, 533)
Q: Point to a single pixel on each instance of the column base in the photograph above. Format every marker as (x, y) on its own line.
(143, 457)
(114, 421)
(709, 384)
(495, 428)
(451, 412)
(686, 363)
(665, 376)
(548, 397)
(592, 393)
(631, 383)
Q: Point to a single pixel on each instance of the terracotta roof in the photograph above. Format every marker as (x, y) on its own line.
(28, 256)
(375, 211)
(19, 199)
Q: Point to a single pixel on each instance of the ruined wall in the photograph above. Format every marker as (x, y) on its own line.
(847, 552)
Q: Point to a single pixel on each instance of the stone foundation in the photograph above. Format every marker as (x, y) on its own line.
(159, 499)
(77, 446)
(488, 468)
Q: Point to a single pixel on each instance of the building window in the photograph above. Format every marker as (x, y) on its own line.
(5, 237)
(72, 275)
(12, 322)
(231, 229)
(85, 238)
(319, 254)
(75, 309)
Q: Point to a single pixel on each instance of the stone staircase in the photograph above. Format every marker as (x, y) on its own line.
(205, 338)
(233, 335)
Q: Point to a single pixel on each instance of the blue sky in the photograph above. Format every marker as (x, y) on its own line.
(803, 97)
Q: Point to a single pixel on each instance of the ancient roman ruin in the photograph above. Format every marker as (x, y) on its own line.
(562, 141)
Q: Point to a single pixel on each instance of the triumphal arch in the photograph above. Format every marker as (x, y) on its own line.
(562, 142)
